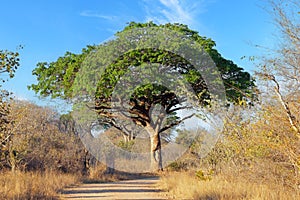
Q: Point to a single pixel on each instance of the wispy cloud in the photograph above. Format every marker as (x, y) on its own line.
(180, 11)
(89, 13)
(175, 11)
(21, 97)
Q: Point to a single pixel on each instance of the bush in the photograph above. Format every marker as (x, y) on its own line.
(177, 166)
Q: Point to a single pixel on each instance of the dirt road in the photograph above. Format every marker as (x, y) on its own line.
(130, 189)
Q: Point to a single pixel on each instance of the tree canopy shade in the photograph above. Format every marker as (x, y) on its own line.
(146, 75)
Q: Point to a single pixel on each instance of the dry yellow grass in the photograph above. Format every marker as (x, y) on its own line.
(188, 186)
(35, 185)
(98, 174)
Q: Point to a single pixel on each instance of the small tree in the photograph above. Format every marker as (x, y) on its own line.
(9, 62)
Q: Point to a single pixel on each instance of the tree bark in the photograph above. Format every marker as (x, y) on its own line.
(110, 162)
(156, 158)
(86, 163)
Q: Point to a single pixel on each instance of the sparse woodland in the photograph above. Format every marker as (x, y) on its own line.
(257, 155)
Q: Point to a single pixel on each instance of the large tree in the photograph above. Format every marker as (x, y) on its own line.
(109, 76)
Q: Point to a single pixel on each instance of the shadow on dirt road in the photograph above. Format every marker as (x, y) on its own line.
(144, 188)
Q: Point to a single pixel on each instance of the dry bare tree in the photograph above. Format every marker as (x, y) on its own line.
(282, 73)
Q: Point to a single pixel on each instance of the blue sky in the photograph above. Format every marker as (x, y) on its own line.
(47, 29)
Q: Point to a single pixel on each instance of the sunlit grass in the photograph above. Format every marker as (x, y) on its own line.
(34, 185)
(221, 187)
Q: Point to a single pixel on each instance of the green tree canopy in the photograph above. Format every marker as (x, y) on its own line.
(55, 79)
(9, 62)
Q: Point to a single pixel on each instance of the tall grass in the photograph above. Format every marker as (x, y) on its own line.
(33, 185)
(98, 174)
(220, 187)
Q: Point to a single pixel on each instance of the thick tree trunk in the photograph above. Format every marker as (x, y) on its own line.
(86, 163)
(110, 163)
(156, 158)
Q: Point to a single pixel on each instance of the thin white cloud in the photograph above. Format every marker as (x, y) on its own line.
(89, 13)
(20, 97)
(174, 11)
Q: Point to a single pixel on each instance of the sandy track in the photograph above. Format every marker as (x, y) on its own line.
(131, 189)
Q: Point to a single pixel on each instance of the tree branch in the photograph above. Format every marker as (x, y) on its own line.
(175, 123)
(292, 119)
(179, 108)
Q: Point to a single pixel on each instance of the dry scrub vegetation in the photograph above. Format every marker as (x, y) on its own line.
(258, 154)
(256, 157)
(225, 187)
(253, 160)
(34, 185)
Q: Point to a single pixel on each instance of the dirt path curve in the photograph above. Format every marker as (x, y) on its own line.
(130, 189)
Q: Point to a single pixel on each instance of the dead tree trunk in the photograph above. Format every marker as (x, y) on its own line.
(292, 119)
